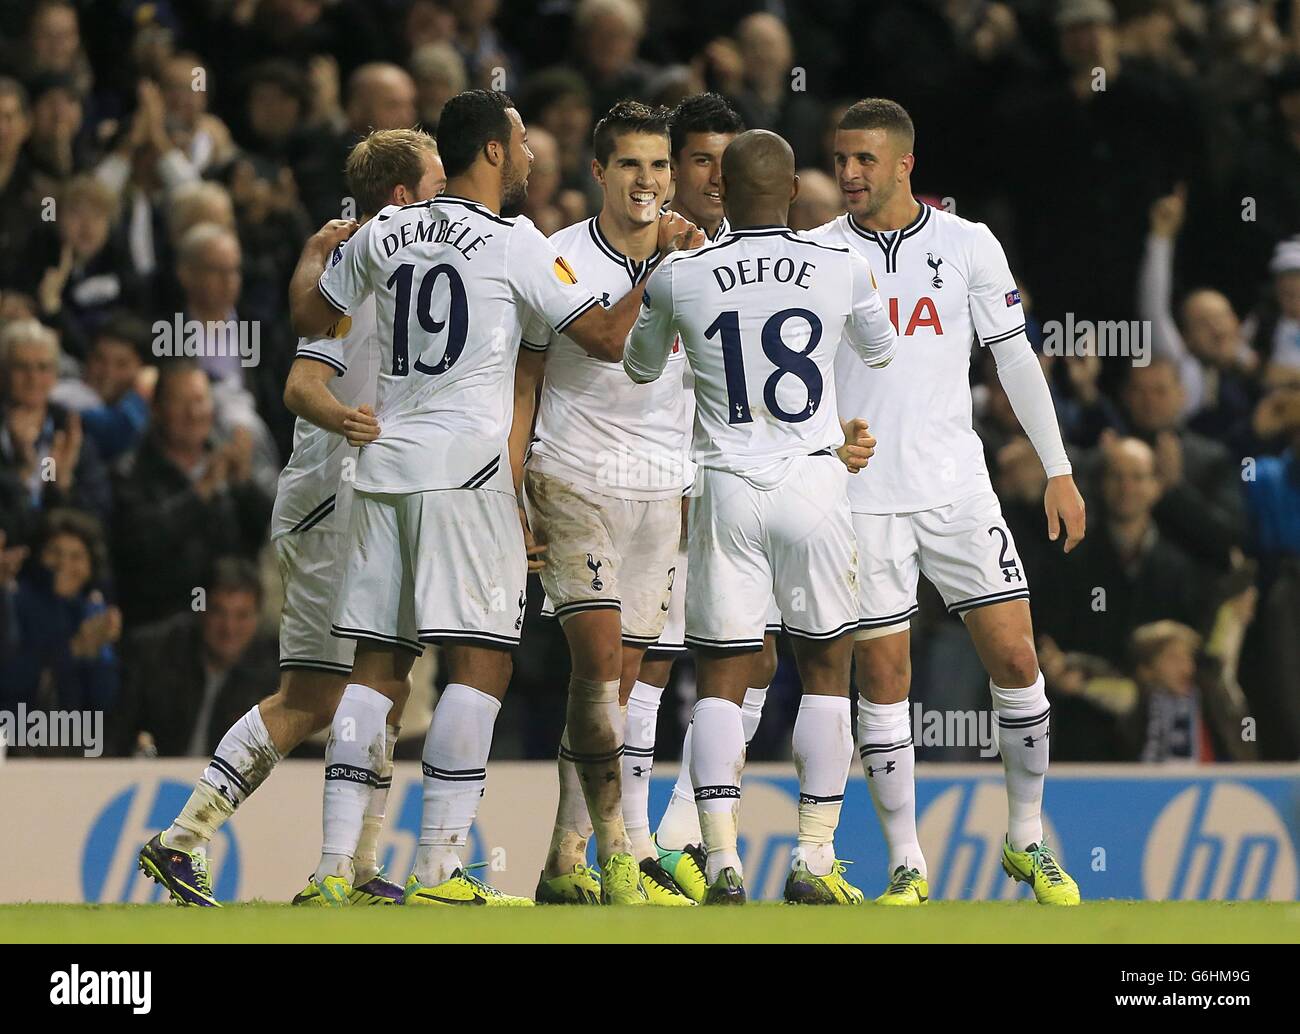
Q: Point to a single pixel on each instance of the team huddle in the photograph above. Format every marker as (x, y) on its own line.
(700, 428)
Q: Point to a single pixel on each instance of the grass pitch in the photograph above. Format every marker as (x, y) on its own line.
(1119, 922)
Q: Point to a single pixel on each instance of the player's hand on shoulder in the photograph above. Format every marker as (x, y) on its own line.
(859, 444)
(678, 234)
(335, 232)
(1064, 505)
(360, 426)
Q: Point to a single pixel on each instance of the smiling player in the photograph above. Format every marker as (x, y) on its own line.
(603, 482)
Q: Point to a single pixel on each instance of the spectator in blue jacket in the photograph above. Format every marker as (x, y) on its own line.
(45, 460)
(61, 633)
(111, 394)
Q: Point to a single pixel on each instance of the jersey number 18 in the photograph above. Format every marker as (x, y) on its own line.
(783, 357)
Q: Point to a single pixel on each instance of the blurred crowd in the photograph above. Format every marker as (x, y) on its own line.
(1139, 160)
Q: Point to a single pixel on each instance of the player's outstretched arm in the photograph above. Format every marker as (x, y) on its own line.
(307, 394)
(601, 333)
(868, 330)
(312, 315)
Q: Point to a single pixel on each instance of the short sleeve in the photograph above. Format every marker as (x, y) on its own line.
(345, 281)
(868, 329)
(542, 279)
(653, 335)
(995, 307)
(330, 348)
(536, 336)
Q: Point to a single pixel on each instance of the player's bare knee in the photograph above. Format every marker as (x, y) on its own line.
(311, 696)
(884, 674)
(483, 668)
(1016, 665)
(765, 664)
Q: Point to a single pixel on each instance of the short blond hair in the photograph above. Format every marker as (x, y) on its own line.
(91, 192)
(27, 332)
(382, 160)
(1149, 641)
(190, 204)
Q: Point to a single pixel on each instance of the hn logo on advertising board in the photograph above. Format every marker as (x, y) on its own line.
(108, 860)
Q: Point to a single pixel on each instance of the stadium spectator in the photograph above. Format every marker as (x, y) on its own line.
(1214, 360)
(182, 500)
(144, 169)
(558, 100)
(1272, 655)
(488, 60)
(93, 275)
(1188, 710)
(21, 190)
(439, 74)
(248, 381)
(194, 131)
(1279, 330)
(58, 144)
(379, 96)
(546, 205)
(818, 201)
(53, 45)
(62, 635)
(1111, 135)
(1125, 573)
(607, 36)
(191, 675)
(43, 453)
(112, 396)
(1199, 506)
(770, 98)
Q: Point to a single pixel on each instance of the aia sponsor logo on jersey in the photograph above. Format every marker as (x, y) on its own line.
(924, 314)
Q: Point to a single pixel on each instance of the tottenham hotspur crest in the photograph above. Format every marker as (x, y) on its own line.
(934, 263)
(594, 564)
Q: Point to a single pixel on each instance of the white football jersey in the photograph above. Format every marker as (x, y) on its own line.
(453, 282)
(595, 428)
(945, 281)
(761, 315)
(311, 492)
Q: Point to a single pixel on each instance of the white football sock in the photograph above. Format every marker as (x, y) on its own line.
(680, 824)
(242, 760)
(717, 759)
(1023, 725)
(823, 752)
(889, 761)
(595, 730)
(638, 762)
(751, 711)
(455, 773)
(354, 759)
(365, 860)
(572, 827)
